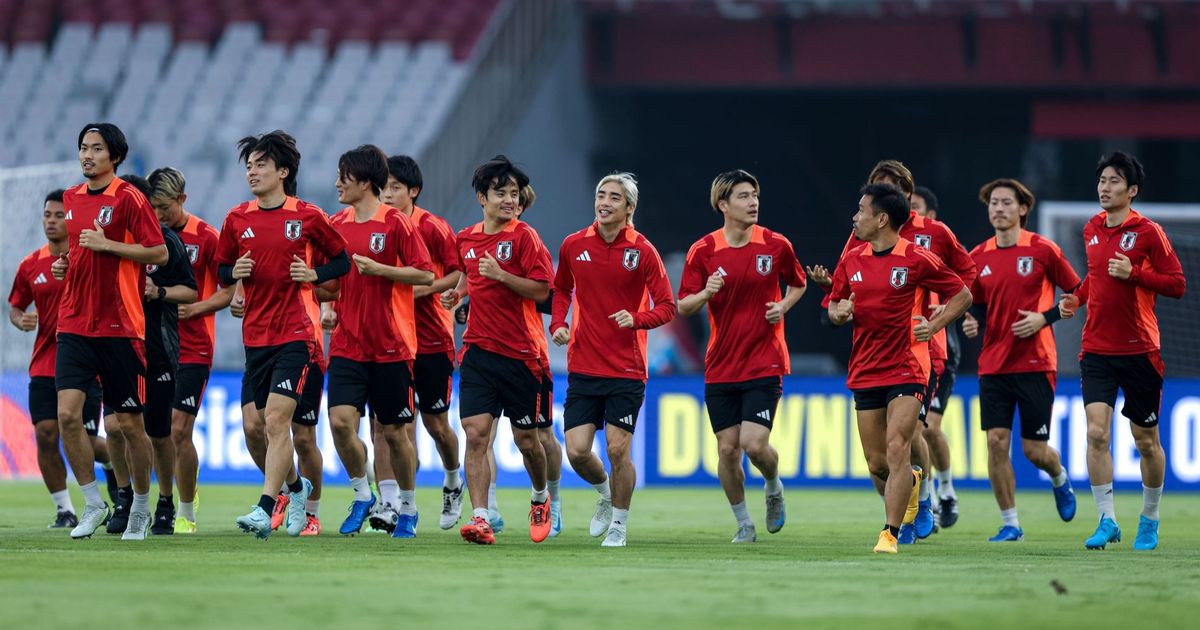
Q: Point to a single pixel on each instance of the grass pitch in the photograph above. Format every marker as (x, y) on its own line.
(680, 571)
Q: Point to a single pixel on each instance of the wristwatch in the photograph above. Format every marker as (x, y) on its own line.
(162, 293)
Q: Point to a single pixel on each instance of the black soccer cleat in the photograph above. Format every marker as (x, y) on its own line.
(949, 512)
(164, 517)
(63, 519)
(120, 514)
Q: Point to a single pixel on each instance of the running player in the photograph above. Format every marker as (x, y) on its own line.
(35, 285)
(269, 244)
(508, 271)
(1130, 263)
(196, 331)
(612, 272)
(736, 271)
(884, 285)
(1018, 364)
(112, 232)
(372, 349)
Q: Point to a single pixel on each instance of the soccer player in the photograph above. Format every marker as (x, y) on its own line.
(736, 271)
(1130, 263)
(433, 369)
(884, 285)
(111, 232)
(196, 331)
(269, 244)
(1014, 295)
(508, 271)
(612, 273)
(372, 347)
(35, 285)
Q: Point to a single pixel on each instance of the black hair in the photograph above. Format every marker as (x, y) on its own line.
(406, 171)
(53, 195)
(931, 200)
(890, 200)
(280, 148)
(497, 173)
(114, 140)
(366, 163)
(1128, 166)
(140, 183)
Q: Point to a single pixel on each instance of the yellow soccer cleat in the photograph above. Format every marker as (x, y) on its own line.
(184, 526)
(910, 514)
(887, 543)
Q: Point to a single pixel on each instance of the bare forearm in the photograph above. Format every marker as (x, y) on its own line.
(526, 288)
(156, 255)
(792, 296)
(692, 304)
(408, 275)
(180, 295)
(954, 309)
(14, 316)
(214, 303)
(448, 281)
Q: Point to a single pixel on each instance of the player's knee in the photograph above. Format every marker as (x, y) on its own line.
(729, 450)
(1098, 436)
(526, 440)
(1147, 444)
(578, 452)
(878, 467)
(47, 436)
(618, 452)
(997, 443)
(899, 453)
(757, 450)
(1034, 451)
(68, 419)
(130, 424)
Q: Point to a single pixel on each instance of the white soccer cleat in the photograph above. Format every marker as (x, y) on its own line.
(615, 537)
(296, 519)
(601, 519)
(93, 517)
(451, 506)
(139, 522)
(745, 534)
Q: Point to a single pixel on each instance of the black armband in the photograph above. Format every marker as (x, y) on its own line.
(225, 275)
(337, 267)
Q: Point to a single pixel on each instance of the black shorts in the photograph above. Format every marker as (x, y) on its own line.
(941, 393)
(386, 387)
(1030, 393)
(119, 362)
(308, 408)
(43, 403)
(160, 393)
(545, 417)
(873, 398)
(432, 379)
(600, 400)
(190, 382)
(931, 388)
(282, 369)
(730, 404)
(489, 383)
(1139, 376)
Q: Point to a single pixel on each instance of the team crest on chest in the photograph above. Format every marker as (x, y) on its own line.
(378, 240)
(504, 251)
(292, 229)
(193, 252)
(923, 240)
(1025, 265)
(105, 216)
(151, 269)
(1127, 241)
(899, 277)
(632, 257)
(763, 263)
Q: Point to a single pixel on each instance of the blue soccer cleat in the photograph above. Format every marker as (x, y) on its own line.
(359, 511)
(296, 518)
(406, 526)
(555, 517)
(1147, 536)
(257, 522)
(1106, 532)
(1064, 500)
(1008, 533)
(495, 521)
(908, 534)
(924, 521)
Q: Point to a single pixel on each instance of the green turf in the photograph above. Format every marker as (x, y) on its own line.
(680, 571)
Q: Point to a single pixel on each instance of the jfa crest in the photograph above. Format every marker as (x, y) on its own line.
(1127, 240)
(899, 277)
(504, 251)
(378, 240)
(1025, 265)
(923, 240)
(151, 269)
(105, 216)
(193, 252)
(292, 228)
(763, 263)
(632, 257)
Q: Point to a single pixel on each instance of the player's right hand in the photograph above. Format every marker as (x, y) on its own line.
(449, 299)
(237, 306)
(820, 275)
(243, 266)
(843, 310)
(970, 326)
(561, 337)
(58, 268)
(28, 321)
(714, 284)
(1067, 305)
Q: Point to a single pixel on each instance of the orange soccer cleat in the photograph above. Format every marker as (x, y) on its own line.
(539, 521)
(478, 531)
(312, 526)
(279, 514)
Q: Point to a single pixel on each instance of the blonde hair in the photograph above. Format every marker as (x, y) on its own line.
(166, 182)
(629, 188)
(723, 185)
(526, 197)
(896, 171)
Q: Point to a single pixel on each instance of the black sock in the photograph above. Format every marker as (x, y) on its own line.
(267, 503)
(166, 499)
(894, 530)
(298, 486)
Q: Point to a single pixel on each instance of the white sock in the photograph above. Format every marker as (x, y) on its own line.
(552, 488)
(742, 515)
(480, 513)
(539, 496)
(408, 501)
(604, 489)
(1010, 517)
(926, 489)
(492, 505)
(621, 517)
(141, 503)
(62, 501)
(91, 494)
(1104, 501)
(1150, 499)
(313, 506)
(773, 486)
(361, 487)
(946, 485)
(1061, 478)
(389, 492)
(452, 480)
(187, 510)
